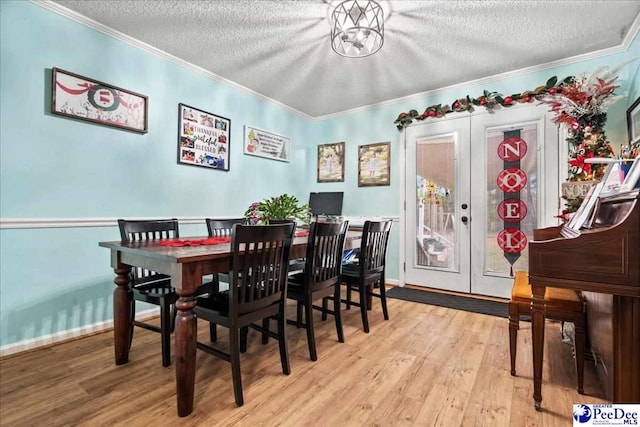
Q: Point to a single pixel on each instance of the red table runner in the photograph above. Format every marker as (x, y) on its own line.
(196, 242)
(210, 240)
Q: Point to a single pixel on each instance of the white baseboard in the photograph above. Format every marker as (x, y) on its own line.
(75, 333)
(58, 337)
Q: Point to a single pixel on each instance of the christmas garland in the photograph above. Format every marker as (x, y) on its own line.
(579, 103)
(488, 100)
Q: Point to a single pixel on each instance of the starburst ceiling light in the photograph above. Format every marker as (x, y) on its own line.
(357, 28)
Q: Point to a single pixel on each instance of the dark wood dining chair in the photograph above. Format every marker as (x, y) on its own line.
(369, 271)
(320, 279)
(149, 286)
(297, 264)
(220, 227)
(257, 291)
(282, 221)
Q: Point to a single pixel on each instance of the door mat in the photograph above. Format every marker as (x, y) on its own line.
(476, 305)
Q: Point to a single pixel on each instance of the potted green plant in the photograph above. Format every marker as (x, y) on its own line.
(279, 207)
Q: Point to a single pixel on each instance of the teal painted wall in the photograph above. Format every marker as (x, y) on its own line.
(52, 280)
(376, 125)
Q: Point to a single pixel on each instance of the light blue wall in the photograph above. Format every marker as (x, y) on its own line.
(53, 167)
(52, 280)
(376, 125)
(58, 167)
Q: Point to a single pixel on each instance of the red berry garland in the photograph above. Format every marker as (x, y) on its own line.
(488, 100)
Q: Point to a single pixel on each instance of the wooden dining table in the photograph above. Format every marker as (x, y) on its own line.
(186, 265)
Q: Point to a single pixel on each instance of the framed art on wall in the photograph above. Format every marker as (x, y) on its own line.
(90, 100)
(374, 162)
(331, 162)
(633, 122)
(203, 138)
(261, 143)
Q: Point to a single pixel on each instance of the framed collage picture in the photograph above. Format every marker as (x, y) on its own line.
(374, 162)
(331, 162)
(90, 100)
(203, 138)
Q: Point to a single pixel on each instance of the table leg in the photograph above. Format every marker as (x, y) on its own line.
(122, 299)
(185, 352)
(537, 325)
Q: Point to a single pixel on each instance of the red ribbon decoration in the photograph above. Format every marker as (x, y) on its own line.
(74, 91)
(88, 87)
(210, 241)
(512, 209)
(197, 242)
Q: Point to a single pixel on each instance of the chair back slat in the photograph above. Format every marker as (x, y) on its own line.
(140, 230)
(221, 227)
(323, 264)
(373, 247)
(281, 221)
(259, 266)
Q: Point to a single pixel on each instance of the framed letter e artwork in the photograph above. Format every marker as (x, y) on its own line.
(82, 98)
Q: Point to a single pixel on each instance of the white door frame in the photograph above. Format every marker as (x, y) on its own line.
(554, 159)
(455, 275)
(499, 284)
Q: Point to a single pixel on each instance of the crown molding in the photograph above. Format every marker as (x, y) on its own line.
(74, 16)
(631, 33)
(622, 47)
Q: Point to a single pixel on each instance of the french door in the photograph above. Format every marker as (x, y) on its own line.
(475, 188)
(438, 204)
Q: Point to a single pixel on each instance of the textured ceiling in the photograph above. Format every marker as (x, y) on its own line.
(281, 49)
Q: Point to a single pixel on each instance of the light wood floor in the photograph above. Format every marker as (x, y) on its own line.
(426, 366)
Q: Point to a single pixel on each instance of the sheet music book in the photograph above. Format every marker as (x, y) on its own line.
(616, 181)
(583, 213)
(594, 214)
(612, 178)
(632, 179)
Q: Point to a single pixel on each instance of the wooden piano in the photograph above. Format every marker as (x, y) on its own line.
(604, 263)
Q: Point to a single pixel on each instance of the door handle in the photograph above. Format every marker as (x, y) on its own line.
(464, 219)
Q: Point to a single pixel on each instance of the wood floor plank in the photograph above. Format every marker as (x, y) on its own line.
(426, 366)
(443, 407)
(395, 410)
(487, 405)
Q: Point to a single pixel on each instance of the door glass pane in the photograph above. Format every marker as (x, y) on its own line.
(435, 197)
(512, 197)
